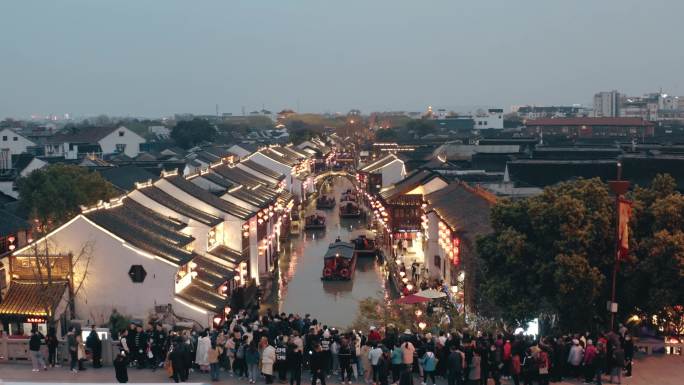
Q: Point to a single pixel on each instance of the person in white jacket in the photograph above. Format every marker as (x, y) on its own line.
(268, 357)
(202, 355)
(575, 358)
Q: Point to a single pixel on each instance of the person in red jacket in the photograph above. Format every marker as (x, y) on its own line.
(507, 358)
(588, 362)
(374, 335)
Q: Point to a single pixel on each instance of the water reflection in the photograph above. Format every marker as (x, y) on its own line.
(301, 289)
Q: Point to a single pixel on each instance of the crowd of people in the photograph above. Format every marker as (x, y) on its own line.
(283, 348)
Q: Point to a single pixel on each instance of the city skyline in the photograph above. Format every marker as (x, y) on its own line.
(156, 59)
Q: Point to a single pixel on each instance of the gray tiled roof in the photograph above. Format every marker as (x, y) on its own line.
(263, 170)
(260, 197)
(210, 199)
(202, 295)
(413, 180)
(239, 176)
(145, 229)
(159, 196)
(217, 180)
(228, 255)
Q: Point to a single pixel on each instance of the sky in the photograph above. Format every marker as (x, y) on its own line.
(155, 58)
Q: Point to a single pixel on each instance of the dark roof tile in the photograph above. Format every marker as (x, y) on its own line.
(208, 198)
(166, 200)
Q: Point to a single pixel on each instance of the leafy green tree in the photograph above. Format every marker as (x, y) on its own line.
(421, 127)
(54, 194)
(549, 256)
(653, 283)
(189, 133)
(386, 134)
(552, 255)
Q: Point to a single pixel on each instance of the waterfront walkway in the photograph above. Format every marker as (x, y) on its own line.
(651, 370)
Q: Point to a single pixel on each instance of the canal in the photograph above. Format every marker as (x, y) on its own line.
(301, 289)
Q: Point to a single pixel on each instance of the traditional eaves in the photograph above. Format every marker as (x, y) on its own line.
(262, 170)
(260, 196)
(218, 180)
(145, 230)
(86, 135)
(279, 157)
(31, 299)
(239, 176)
(166, 200)
(210, 199)
(462, 208)
(228, 255)
(124, 178)
(413, 180)
(211, 273)
(379, 164)
(199, 294)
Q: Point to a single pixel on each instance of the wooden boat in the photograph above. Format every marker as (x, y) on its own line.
(314, 222)
(325, 202)
(364, 243)
(350, 209)
(349, 196)
(339, 262)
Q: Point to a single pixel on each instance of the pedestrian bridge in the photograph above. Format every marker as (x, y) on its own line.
(330, 174)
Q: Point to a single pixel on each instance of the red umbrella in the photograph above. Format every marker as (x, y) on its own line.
(411, 299)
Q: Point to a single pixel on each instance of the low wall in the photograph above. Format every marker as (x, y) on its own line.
(17, 350)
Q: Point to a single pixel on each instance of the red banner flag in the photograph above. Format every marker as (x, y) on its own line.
(624, 213)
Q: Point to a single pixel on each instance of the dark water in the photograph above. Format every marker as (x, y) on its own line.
(301, 289)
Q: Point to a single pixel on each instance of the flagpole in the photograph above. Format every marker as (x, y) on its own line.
(619, 187)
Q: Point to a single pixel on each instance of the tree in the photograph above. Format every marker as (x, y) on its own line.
(189, 133)
(551, 256)
(387, 134)
(54, 194)
(421, 127)
(654, 279)
(48, 267)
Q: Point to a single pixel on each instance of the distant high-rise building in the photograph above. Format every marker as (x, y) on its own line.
(606, 104)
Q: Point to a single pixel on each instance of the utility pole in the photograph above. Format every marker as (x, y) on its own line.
(619, 188)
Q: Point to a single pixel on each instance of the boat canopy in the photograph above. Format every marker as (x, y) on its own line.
(340, 250)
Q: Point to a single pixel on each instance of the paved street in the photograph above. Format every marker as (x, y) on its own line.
(656, 370)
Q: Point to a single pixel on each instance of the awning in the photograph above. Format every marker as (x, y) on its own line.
(31, 299)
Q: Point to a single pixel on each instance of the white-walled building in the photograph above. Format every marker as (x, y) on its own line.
(491, 119)
(383, 172)
(21, 165)
(127, 257)
(294, 165)
(454, 217)
(13, 143)
(101, 140)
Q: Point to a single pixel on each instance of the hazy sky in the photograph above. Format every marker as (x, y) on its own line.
(154, 58)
